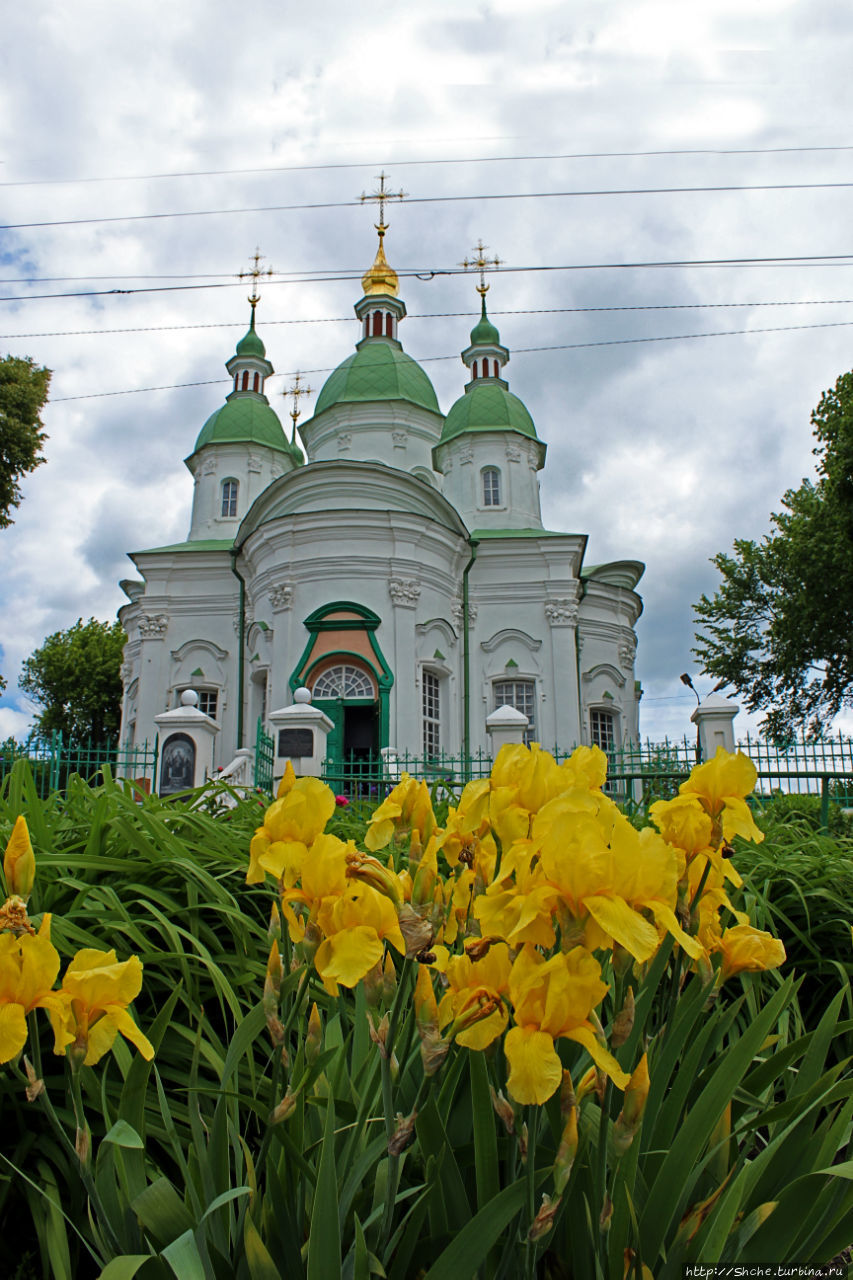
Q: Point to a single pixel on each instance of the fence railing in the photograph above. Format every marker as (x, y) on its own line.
(53, 761)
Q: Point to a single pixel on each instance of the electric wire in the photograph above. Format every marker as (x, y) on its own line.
(426, 274)
(351, 164)
(564, 346)
(437, 315)
(454, 199)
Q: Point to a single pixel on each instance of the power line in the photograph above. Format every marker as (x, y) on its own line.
(448, 160)
(440, 315)
(481, 198)
(425, 274)
(565, 346)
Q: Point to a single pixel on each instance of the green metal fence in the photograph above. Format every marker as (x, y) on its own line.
(264, 757)
(53, 761)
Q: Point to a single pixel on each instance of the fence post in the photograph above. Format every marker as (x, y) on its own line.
(824, 804)
(714, 720)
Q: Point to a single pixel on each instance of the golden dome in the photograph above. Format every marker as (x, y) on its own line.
(380, 278)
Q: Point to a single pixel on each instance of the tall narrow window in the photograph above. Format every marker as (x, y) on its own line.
(431, 713)
(520, 694)
(256, 382)
(229, 498)
(245, 380)
(497, 370)
(491, 487)
(389, 325)
(377, 324)
(602, 729)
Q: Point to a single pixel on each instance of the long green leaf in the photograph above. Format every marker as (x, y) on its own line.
(124, 1268)
(258, 1260)
(470, 1246)
(324, 1240)
(184, 1258)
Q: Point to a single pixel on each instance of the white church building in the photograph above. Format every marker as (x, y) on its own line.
(398, 568)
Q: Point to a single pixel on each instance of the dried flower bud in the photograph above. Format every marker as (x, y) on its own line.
(477, 948)
(374, 985)
(522, 1143)
(623, 1023)
(379, 1035)
(418, 934)
(36, 1085)
(566, 1152)
(633, 1105)
(368, 870)
(606, 1216)
(503, 1109)
(274, 927)
(403, 1134)
(544, 1220)
(284, 1108)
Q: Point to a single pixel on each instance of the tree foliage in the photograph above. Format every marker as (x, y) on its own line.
(75, 677)
(779, 629)
(23, 392)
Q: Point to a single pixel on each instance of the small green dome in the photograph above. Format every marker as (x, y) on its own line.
(246, 420)
(377, 371)
(250, 344)
(484, 333)
(487, 407)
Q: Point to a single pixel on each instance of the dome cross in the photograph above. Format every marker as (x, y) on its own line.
(482, 264)
(255, 274)
(295, 392)
(379, 197)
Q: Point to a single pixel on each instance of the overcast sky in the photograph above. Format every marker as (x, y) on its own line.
(663, 446)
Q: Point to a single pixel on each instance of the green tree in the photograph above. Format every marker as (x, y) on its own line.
(23, 392)
(779, 629)
(75, 677)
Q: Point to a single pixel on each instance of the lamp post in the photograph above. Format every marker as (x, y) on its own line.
(685, 679)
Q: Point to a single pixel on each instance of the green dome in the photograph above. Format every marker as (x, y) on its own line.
(487, 407)
(250, 344)
(246, 420)
(484, 334)
(377, 371)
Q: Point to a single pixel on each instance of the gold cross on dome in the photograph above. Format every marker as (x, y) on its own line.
(379, 197)
(482, 264)
(255, 274)
(295, 392)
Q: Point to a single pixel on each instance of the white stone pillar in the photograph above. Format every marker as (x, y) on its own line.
(299, 733)
(505, 726)
(403, 728)
(187, 742)
(562, 613)
(714, 720)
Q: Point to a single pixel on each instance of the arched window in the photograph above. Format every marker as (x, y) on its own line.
(343, 681)
(491, 487)
(377, 324)
(256, 382)
(245, 379)
(229, 498)
(236, 382)
(497, 370)
(367, 326)
(389, 325)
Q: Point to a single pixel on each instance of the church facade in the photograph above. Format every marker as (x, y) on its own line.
(398, 568)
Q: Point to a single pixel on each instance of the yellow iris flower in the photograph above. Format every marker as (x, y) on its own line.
(722, 785)
(28, 969)
(291, 825)
(550, 999)
(475, 985)
(407, 808)
(95, 994)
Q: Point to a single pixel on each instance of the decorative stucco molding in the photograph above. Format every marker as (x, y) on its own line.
(344, 441)
(254, 462)
(281, 596)
(627, 654)
(562, 612)
(209, 468)
(466, 455)
(400, 438)
(404, 591)
(458, 612)
(249, 615)
(513, 454)
(510, 633)
(153, 626)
